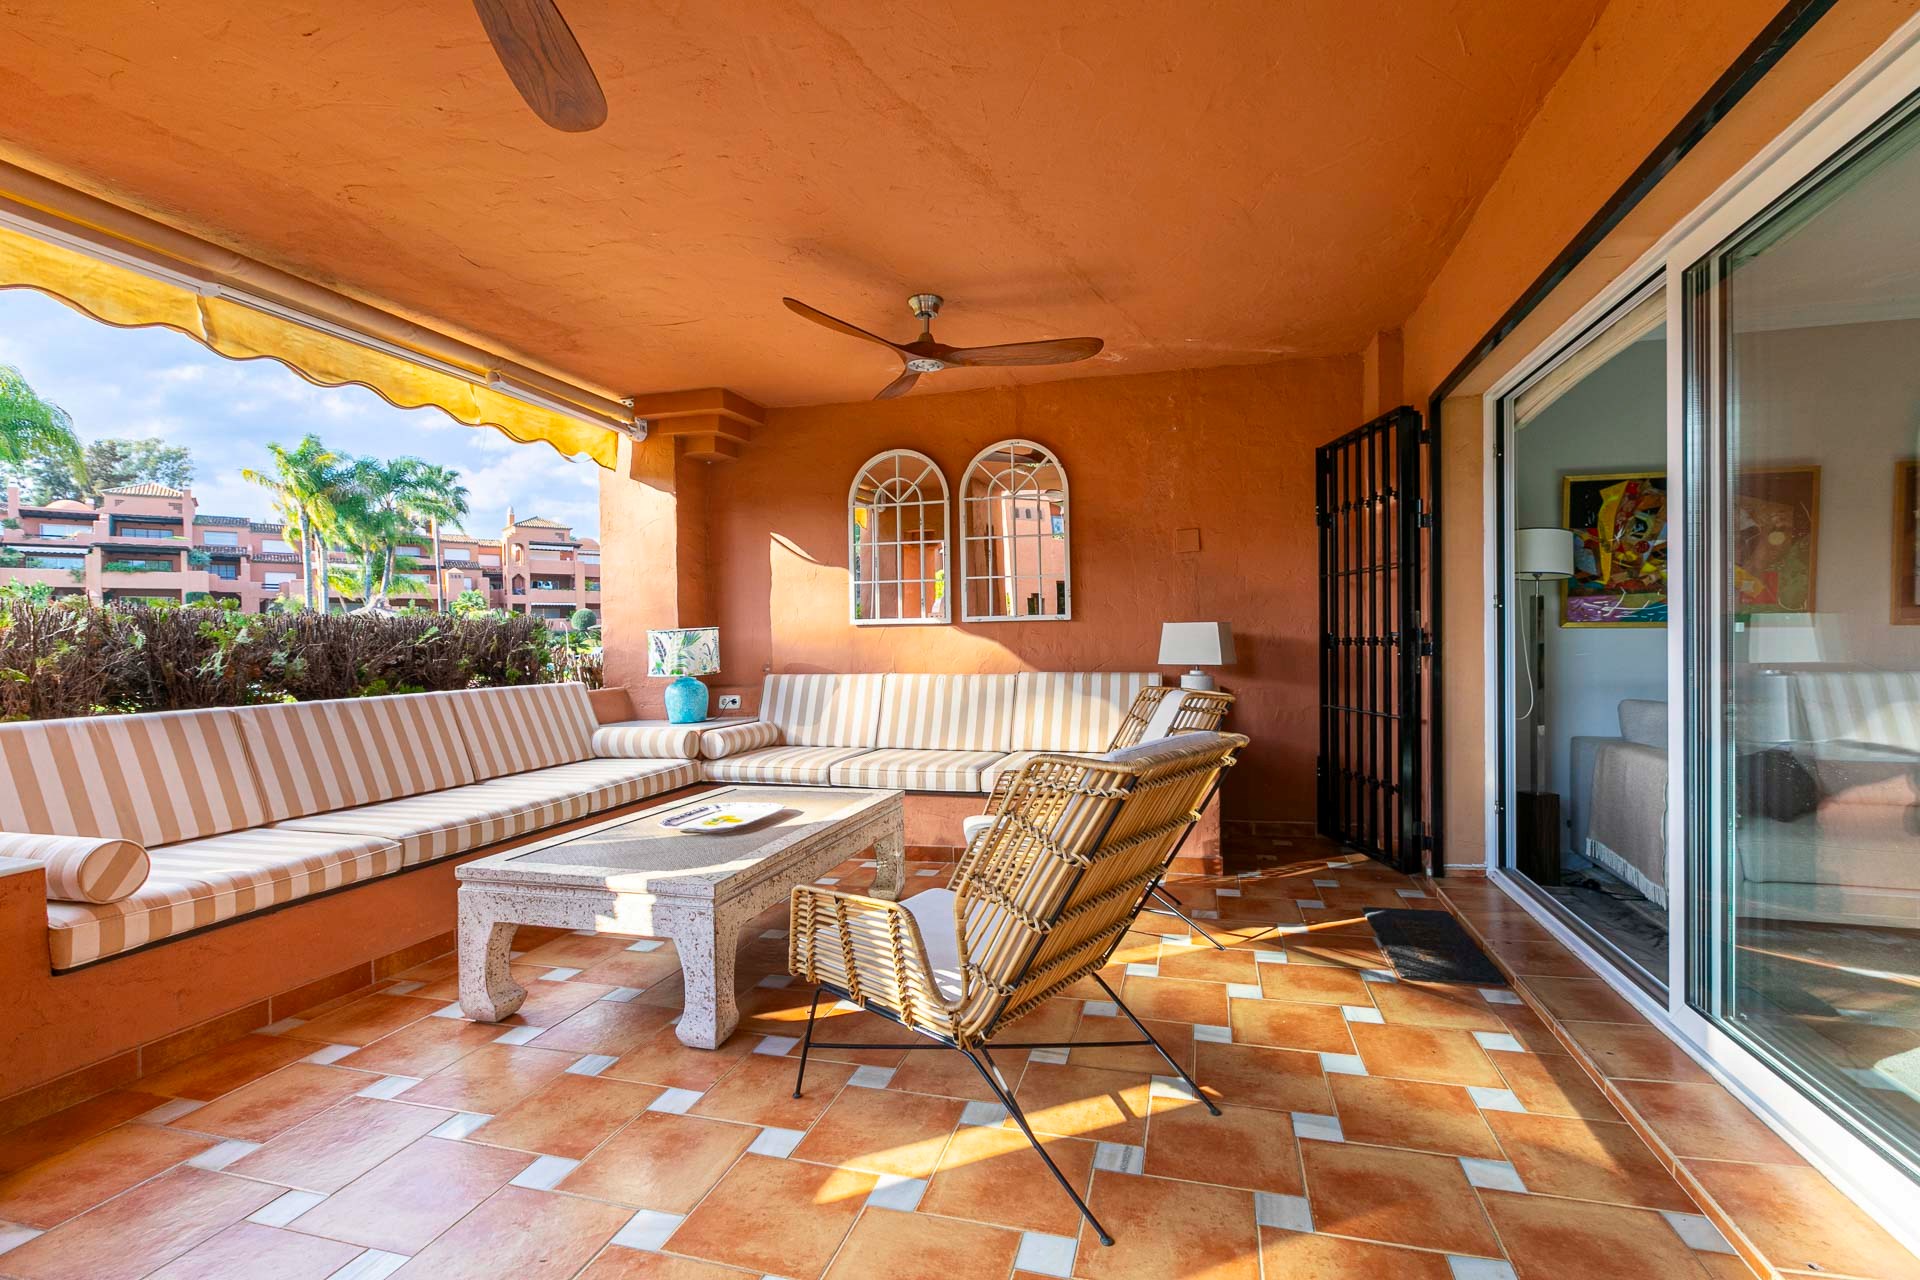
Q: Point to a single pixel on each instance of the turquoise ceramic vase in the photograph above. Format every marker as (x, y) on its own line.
(686, 700)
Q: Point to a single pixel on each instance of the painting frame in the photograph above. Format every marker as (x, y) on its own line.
(1569, 485)
(1790, 484)
(1906, 544)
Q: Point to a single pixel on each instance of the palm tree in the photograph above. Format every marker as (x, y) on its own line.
(305, 484)
(32, 427)
(433, 495)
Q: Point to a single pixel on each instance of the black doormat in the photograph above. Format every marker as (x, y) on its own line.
(1430, 946)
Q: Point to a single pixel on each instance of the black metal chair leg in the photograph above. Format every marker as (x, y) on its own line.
(806, 1043)
(1142, 1028)
(1173, 909)
(991, 1074)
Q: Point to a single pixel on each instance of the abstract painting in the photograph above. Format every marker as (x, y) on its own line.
(1619, 523)
(1776, 520)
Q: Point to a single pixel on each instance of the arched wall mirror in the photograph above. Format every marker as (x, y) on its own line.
(1014, 536)
(897, 526)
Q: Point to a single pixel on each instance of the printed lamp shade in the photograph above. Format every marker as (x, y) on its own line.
(692, 651)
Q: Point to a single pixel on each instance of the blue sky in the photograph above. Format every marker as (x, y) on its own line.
(153, 382)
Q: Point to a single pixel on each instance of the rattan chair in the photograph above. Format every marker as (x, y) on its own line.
(1158, 711)
(1037, 903)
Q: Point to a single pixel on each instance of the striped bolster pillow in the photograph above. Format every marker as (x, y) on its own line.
(731, 740)
(647, 742)
(82, 868)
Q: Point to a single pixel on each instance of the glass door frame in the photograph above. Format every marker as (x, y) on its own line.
(1853, 107)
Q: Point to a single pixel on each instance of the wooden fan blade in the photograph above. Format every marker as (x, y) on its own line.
(1054, 351)
(899, 386)
(838, 325)
(544, 62)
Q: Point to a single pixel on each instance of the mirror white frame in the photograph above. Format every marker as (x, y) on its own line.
(999, 476)
(888, 487)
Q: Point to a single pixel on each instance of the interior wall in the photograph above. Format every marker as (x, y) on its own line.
(1191, 499)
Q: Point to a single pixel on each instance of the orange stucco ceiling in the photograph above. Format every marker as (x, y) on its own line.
(1197, 182)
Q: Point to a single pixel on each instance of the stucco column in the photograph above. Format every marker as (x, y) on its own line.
(653, 557)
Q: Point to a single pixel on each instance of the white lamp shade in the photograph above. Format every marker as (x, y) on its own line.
(1543, 553)
(1196, 644)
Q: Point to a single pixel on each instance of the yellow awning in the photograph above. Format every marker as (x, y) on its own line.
(141, 288)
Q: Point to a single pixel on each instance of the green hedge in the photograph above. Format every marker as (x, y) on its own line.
(75, 659)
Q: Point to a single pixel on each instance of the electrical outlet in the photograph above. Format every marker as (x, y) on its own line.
(729, 702)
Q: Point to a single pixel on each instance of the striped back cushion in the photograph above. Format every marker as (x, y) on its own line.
(1073, 710)
(947, 713)
(823, 710)
(1878, 707)
(312, 757)
(528, 726)
(154, 779)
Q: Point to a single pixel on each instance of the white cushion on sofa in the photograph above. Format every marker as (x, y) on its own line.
(823, 710)
(916, 770)
(1073, 710)
(794, 766)
(947, 712)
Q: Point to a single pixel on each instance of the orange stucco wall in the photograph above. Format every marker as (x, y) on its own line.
(1227, 452)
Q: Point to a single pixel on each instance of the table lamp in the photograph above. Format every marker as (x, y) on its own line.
(684, 653)
(1196, 645)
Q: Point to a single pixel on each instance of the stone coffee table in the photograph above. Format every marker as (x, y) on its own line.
(633, 876)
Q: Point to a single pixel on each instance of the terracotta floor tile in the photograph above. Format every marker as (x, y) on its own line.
(1287, 1024)
(840, 1026)
(640, 969)
(132, 1235)
(778, 1217)
(548, 1004)
(661, 1161)
(575, 952)
(1240, 1147)
(365, 1020)
(882, 1131)
(519, 1234)
(1798, 1220)
(333, 1148)
(275, 1103)
(1081, 1102)
(1553, 1085)
(618, 1263)
(402, 1203)
(490, 1079)
(1586, 1160)
(1552, 1239)
(951, 1075)
(447, 987)
(1162, 1229)
(568, 1116)
(81, 1177)
(222, 1070)
(1437, 1055)
(916, 1246)
(992, 1175)
(1297, 1256)
(1348, 952)
(1177, 1037)
(51, 1135)
(1395, 1197)
(760, 1091)
(1054, 1020)
(1582, 999)
(1385, 1112)
(1705, 1122)
(782, 1011)
(1542, 959)
(1204, 964)
(661, 1059)
(1251, 1076)
(1314, 984)
(1177, 1000)
(1531, 1030)
(422, 1048)
(249, 1251)
(1434, 1004)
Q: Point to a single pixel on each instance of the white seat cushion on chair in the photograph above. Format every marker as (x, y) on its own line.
(970, 828)
(932, 910)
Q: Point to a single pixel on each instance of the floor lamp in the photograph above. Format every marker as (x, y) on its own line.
(1539, 555)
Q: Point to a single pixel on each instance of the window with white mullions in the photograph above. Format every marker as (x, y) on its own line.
(897, 526)
(1014, 536)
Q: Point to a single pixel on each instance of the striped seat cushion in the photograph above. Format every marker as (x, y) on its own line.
(823, 710)
(569, 791)
(345, 752)
(153, 779)
(203, 882)
(947, 713)
(647, 742)
(732, 739)
(796, 766)
(82, 868)
(990, 776)
(1880, 708)
(431, 826)
(533, 726)
(1073, 710)
(897, 767)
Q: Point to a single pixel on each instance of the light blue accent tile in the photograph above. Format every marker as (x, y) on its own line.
(13, 1235)
(1699, 1233)
(1326, 884)
(1307, 1124)
(1052, 1057)
(1245, 991)
(558, 975)
(460, 1125)
(1045, 1255)
(1498, 1040)
(1309, 904)
(1143, 971)
(388, 1087)
(986, 1115)
(374, 1264)
(1269, 957)
(895, 1192)
(1172, 1087)
(402, 988)
(778, 1143)
(1499, 995)
(776, 1046)
(1342, 1064)
(648, 1230)
(449, 1011)
(281, 1210)
(545, 1173)
(591, 1064)
(1100, 1009)
(517, 1035)
(219, 1157)
(1379, 975)
(168, 1112)
(1213, 1035)
(1494, 1175)
(1495, 1099)
(1118, 1157)
(1288, 1213)
(1479, 1268)
(285, 1025)
(674, 1101)
(828, 880)
(1361, 1013)
(624, 995)
(652, 944)
(871, 1077)
(1411, 893)
(776, 981)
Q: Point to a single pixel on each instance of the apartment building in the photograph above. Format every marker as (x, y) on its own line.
(151, 543)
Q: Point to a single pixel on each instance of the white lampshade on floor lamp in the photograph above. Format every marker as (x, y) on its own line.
(1539, 555)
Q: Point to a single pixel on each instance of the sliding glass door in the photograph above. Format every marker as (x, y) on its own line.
(1803, 645)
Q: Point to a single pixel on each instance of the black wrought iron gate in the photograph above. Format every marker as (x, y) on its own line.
(1375, 513)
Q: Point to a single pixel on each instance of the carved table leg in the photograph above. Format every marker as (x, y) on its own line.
(706, 946)
(890, 856)
(488, 992)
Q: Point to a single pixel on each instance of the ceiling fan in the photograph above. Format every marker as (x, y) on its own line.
(544, 62)
(924, 355)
